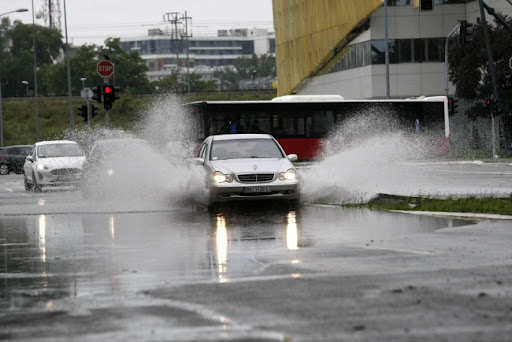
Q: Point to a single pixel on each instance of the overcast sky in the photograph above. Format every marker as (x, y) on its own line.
(92, 21)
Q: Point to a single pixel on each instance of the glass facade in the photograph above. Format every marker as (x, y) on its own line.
(198, 47)
(400, 51)
(436, 2)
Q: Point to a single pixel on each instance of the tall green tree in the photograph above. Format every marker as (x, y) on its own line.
(469, 67)
(469, 72)
(18, 63)
(129, 70)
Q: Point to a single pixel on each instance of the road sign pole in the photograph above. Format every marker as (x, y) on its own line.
(88, 116)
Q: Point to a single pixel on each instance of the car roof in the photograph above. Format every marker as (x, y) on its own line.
(51, 142)
(241, 136)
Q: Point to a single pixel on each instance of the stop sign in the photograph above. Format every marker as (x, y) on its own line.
(105, 68)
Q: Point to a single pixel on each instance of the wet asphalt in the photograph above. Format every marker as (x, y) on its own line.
(77, 270)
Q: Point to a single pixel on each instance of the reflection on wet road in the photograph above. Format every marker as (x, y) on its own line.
(44, 257)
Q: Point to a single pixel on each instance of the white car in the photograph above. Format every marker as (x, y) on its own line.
(53, 163)
(247, 167)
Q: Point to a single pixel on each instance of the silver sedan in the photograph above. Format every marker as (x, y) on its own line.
(53, 163)
(247, 167)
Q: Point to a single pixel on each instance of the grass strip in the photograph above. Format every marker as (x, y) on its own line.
(484, 205)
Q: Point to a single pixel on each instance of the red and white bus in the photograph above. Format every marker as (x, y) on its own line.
(302, 124)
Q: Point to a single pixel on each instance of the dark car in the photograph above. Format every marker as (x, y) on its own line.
(13, 157)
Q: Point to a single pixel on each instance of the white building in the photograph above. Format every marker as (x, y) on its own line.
(165, 51)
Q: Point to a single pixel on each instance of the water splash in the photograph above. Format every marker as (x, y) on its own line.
(149, 169)
(360, 158)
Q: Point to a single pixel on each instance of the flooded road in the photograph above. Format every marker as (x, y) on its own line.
(135, 269)
(60, 255)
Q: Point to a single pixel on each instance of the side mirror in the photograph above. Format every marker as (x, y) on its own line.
(293, 157)
(30, 159)
(198, 161)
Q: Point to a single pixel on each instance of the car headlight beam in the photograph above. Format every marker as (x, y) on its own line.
(219, 177)
(289, 174)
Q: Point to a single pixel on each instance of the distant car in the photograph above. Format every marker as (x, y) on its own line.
(247, 167)
(53, 163)
(13, 157)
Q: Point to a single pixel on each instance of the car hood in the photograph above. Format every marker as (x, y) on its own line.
(253, 165)
(60, 162)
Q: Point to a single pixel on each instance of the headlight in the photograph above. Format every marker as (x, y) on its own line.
(41, 167)
(219, 177)
(287, 175)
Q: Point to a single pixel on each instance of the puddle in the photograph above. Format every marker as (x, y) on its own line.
(43, 257)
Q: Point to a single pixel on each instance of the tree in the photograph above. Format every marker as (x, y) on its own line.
(469, 72)
(469, 67)
(130, 70)
(18, 63)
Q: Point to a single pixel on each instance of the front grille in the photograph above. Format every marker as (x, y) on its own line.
(65, 172)
(256, 177)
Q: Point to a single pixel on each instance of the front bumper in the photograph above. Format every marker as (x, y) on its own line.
(276, 190)
(47, 178)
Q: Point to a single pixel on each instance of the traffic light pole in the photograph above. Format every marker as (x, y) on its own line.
(105, 79)
(503, 136)
(446, 57)
(88, 116)
(492, 131)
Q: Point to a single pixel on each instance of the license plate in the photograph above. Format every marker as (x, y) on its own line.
(257, 189)
(66, 178)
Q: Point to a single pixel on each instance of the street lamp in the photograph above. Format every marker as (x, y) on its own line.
(36, 99)
(25, 83)
(1, 118)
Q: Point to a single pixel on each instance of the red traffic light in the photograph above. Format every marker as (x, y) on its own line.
(488, 103)
(108, 89)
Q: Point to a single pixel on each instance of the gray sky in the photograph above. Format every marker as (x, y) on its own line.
(92, 21)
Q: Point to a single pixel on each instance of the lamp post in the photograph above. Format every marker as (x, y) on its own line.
(68, 67)
(25, 83)
(36, 99)
(1, 118)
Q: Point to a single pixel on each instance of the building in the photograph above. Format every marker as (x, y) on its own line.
(336, 47)
(165, 51)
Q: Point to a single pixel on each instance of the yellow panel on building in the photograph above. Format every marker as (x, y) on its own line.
(308, 31)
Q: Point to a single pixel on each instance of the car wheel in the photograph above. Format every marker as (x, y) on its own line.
(4, 169)
(37, 188)
(28, 186)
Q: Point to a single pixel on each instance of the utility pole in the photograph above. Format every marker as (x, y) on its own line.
(172, 17)
(186, 18)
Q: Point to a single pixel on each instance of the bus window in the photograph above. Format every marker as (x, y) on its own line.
(319, 123)
(288, 124)
(255, 122)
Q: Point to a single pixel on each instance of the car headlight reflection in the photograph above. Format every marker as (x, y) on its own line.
(41, 167)
(219, 177)
(289, 174)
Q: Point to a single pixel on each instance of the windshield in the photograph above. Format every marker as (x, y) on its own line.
(244, 148)
(59, 150)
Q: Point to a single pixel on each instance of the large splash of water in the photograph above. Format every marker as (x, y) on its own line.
(153, 175)
(360, 159)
